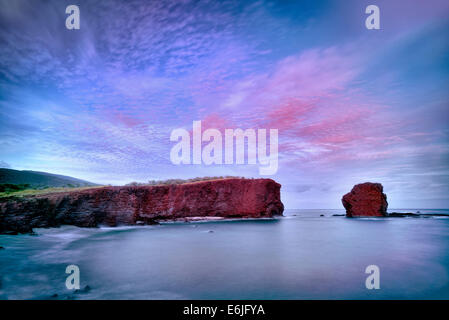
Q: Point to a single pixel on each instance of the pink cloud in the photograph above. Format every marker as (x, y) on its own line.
(314, 100)
(304, 96)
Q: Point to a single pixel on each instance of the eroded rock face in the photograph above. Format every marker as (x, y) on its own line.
(229, 198)
(365, 200)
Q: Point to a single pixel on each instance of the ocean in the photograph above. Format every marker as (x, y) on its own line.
(302, 255)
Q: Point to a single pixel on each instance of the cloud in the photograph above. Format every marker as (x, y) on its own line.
(100, 102)
(3, 164)
(300, 188)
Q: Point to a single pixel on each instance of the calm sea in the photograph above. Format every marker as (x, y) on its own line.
(300, 256)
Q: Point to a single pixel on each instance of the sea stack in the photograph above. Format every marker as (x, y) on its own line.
(136, 205)
(366, 200)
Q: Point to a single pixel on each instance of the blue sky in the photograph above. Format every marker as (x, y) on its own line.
(351, 104)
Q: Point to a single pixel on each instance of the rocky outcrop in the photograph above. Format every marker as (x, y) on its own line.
(416, 215)
(366, 200)
(228, 198)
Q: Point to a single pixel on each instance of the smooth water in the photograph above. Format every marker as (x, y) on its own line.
(299, 256)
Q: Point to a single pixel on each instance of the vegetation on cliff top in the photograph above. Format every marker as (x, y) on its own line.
(8, 190)
(180, 181)
(16, 192)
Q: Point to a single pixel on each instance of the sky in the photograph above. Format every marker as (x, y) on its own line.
(350, 104)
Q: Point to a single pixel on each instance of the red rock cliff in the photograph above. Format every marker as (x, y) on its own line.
(230, 198)
(365, 199)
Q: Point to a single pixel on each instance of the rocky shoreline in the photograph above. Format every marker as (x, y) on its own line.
(399, 215)
(210, 200)
(140, 205)
(368, 200)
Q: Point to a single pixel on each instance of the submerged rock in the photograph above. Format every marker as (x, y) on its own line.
(416, 215)
(131, 205)
(366, 200)
(86, 289)
(403, 214)
(15, 232)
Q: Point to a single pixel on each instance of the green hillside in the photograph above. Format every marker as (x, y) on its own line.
(39, 180)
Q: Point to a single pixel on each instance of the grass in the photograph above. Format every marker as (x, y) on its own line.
(24, 190)
(179, 181)
(9, 187)
(33, 192)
